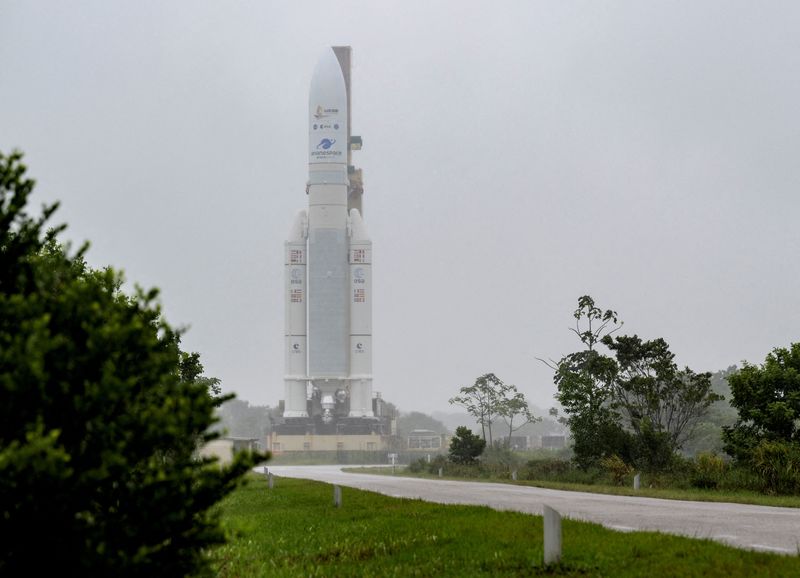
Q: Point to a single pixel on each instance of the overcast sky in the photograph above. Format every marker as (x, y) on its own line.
(517, 155)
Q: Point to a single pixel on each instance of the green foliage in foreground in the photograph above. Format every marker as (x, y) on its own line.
(100, 416)
(294, 530)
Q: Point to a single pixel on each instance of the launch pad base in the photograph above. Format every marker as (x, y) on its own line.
(341, 426)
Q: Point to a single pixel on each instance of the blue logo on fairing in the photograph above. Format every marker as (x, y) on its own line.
(326, 143)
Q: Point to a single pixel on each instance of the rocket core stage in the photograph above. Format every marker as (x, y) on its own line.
(328, 300)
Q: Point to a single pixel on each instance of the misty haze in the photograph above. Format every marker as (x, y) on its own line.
(571, 258)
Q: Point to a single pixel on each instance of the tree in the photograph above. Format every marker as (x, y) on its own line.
(638, 404)
(483, 400)
(465, 446)
(707, 436)
(585, 381)
(585, 384)
(515, 406)
(767, 398)
(653, 394)
(598, 323)
(489, 399)
(240, 419)
(99, 418)
(192, 370)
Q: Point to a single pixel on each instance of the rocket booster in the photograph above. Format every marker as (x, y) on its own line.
(328, 269)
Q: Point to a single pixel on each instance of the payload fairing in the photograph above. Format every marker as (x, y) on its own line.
(328, 289)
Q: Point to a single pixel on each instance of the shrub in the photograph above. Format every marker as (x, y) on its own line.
(708, 471)
(465, 447)
(500, 458)
(617, 469)
(767, 398)
(778, 466)
(437, 462)
(418, 466)
(739, 476)
(99, 419)
(652, 450)
(546, 469)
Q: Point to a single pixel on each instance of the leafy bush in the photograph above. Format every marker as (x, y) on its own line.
(500, 457)
(438, 461)
(417, 466)
(465, 446)
(617, 469)
(652, 450)
(100, 417)
(740, 477)
(767, 398)
(708, 471)
(778, 466)
(546, 469)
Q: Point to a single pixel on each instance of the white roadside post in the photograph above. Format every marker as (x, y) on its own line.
(337, 496)
(552, 536)
(637, 481)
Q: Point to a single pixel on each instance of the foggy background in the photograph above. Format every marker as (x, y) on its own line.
(517, 155)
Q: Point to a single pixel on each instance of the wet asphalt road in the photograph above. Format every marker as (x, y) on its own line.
(761, 528)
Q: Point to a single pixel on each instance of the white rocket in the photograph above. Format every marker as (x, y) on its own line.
(328, 269)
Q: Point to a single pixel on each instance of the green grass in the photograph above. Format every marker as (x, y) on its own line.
(698, 495)
(294, 530)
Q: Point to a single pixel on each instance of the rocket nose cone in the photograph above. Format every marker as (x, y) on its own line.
(327, 86)
(327, 111)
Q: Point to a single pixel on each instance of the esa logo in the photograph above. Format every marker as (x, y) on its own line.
(326, 143)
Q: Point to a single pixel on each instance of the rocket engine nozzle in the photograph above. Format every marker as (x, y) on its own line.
(328, 405)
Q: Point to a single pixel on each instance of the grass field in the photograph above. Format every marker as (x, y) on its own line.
(294, 530)
(698, 495)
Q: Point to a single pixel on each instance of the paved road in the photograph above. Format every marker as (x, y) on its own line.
(752, 527)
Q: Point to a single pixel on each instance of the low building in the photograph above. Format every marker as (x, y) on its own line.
(519, 443)
(280, 443)
(424, 440)
(554, 442)
(224, 448)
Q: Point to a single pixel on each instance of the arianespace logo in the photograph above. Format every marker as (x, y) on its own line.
(325, 151)
(325, 112)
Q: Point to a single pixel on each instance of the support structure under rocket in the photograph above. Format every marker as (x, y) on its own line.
(328, 285)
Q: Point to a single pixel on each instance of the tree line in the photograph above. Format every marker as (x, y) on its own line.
(628, 405)
(625, 397)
